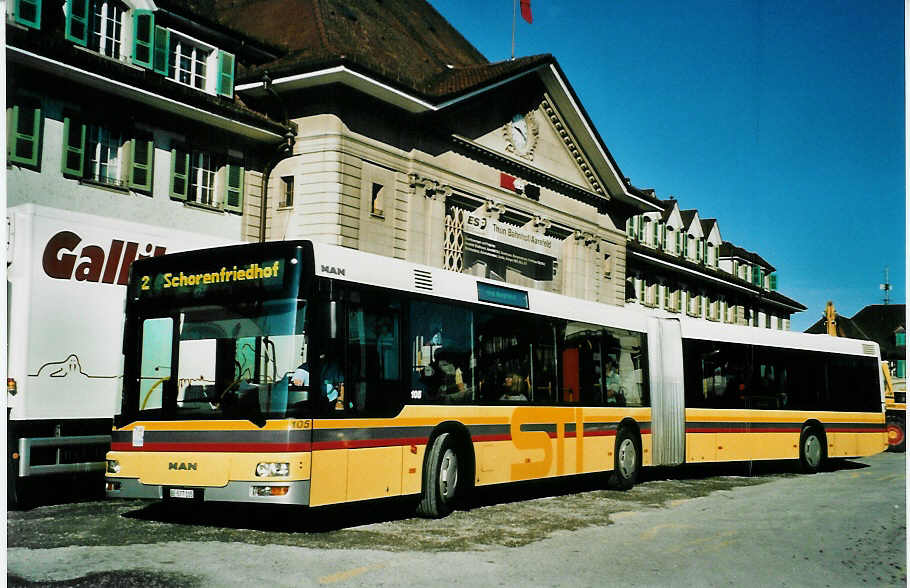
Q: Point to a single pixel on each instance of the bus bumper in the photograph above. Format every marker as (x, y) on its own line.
(297, 493)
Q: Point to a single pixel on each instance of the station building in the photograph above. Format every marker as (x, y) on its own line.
(374, 126)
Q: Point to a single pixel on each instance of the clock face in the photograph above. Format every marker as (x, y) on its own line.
(518, 131)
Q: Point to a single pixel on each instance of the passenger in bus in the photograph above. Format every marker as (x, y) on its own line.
(613, 384)
(444, 379)
(514, 388)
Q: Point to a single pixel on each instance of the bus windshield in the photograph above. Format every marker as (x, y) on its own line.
(246, 360)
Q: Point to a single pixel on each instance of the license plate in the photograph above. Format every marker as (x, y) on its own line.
(181, 493)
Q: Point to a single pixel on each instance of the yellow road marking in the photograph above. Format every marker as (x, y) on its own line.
(348, 574)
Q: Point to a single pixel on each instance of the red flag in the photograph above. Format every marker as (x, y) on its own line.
(526, 10)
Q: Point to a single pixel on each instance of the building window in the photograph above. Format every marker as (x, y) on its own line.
(287, 191)
(107, 27)
(376, 197)
(23, 139)
(202, 178)
(188, 63)
(103, 147)
(27, 13)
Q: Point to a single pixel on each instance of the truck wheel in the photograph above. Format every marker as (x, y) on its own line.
(896, 438)
(626, 459)
(812, 450)
(441, 478)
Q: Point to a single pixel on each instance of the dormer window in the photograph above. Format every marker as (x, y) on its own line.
(188, 62)
(96, 25)
(107, 27)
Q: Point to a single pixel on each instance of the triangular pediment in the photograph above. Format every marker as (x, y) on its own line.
(540, 138)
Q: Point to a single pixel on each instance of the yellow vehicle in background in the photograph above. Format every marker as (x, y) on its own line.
(895, 409)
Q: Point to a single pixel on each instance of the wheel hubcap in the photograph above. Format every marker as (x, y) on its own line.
(448, 475)
(895, 434)
(627, 458)
(813, 450)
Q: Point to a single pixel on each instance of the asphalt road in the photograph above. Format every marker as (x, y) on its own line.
(694, 526)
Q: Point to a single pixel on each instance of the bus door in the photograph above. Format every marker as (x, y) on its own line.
(668, 411)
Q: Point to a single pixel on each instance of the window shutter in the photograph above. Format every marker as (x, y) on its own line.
(641, 229)
(73, 147)
(226, 74)
(28, 13)
(143, 37)
(630, 227)
(24, 134)
(180, 171)
(773, 281)
(233, 196)
(656, 235)
(161, 49)
(901, 368)
(77, 21)
(142, 155)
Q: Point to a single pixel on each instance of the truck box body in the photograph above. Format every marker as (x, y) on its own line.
(66, 290)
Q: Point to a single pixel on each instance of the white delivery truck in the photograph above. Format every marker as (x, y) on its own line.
(66, 289)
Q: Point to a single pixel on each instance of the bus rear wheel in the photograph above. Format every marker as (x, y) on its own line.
(812, 451)
(441, 478)
(896, 437)
(626, 459)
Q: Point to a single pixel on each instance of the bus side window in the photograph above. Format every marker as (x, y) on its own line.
(442, 354)
(372, 374)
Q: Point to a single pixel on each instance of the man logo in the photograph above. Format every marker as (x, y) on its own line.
(328, 269)
(181, 466)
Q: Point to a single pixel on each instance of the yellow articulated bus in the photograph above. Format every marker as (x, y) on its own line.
(306, 374)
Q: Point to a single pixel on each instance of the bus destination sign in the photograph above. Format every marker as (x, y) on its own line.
(182, 283)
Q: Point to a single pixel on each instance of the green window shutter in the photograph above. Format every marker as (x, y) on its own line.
(656, 235)
(233, 195)
(773, 281)
(630, 229)
(226, 74)
(180, 172)
(900, 339)
(901, 368)
(28, 13)
(77, 21)
(161, 50)
(73, 147)
(24, 134)
(143, 37)
(142, 154)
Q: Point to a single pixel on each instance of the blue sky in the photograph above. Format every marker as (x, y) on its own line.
(782, 119)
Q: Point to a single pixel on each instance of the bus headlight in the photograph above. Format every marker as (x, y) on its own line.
(267, 469)
(113, 466)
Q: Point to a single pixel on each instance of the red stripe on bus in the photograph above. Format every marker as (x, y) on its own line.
(360, 443)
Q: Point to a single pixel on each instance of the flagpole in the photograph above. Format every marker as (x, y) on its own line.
(514, 13)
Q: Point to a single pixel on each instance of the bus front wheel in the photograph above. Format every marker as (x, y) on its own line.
(441, 478)
(626, 459)
(812, 450)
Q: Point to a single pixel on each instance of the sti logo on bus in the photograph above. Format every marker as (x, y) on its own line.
(95, 263)
(329, 269)
(182, 466)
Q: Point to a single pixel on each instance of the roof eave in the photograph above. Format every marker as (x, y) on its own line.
(124, 90)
